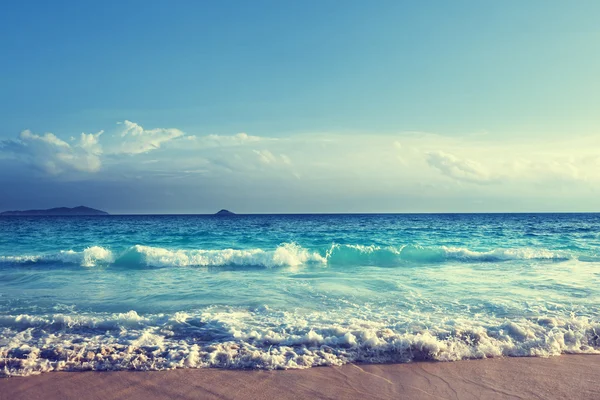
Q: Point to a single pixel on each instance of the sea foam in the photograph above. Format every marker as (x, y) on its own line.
(89, 257)
(276, 292)
(290, 254)
(269, 340)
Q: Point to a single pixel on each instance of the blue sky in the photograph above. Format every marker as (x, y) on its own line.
(301, 106)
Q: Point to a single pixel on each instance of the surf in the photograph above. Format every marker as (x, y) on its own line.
(288, 255)
(225, 339)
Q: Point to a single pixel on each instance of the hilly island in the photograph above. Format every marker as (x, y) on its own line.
(60, 211)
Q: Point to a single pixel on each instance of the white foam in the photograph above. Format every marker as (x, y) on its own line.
(287, 254)
(89, 257)
(290, 254)
(505, 254)
(238, 338)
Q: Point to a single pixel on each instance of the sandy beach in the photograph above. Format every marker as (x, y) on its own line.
(564, 377)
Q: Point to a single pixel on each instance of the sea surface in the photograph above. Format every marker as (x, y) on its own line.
(294, 291)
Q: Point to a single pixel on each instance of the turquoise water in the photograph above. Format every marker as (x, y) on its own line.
(285, 291)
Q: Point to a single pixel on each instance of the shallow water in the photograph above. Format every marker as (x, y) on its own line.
(294, 291)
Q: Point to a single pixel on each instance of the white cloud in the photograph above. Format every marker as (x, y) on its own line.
(265, 156)
(53, 155)
(211, 141)
(557, 170)
(460, 169)
(233, 140)
(268, 158)
(139, 140)
(412, 164)
(285, 159)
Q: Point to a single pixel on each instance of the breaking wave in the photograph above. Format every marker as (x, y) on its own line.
(265, 339)
(89, 257)
(436, 254)
(291, 254)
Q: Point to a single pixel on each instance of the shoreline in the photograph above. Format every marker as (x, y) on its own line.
(560, 377)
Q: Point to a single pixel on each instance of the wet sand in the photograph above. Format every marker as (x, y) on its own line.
(564, 377)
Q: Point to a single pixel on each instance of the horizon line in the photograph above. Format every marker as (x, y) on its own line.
(315, 213)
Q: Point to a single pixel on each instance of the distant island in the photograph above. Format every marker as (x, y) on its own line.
(224, 213)
(61, 211)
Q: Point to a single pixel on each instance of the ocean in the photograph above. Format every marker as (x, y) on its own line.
(294, 291)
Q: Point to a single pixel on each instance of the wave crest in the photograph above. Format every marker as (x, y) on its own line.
(288, 254)
(434, 254)
(292, 254)
(89, 257)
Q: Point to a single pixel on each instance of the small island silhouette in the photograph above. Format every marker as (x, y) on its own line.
(61, 211)
(224, 213)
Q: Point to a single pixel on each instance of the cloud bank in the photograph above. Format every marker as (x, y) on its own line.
(431, 168)
(463, 170)
(54, 156)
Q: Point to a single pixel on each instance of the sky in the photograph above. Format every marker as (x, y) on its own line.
(300, 106)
